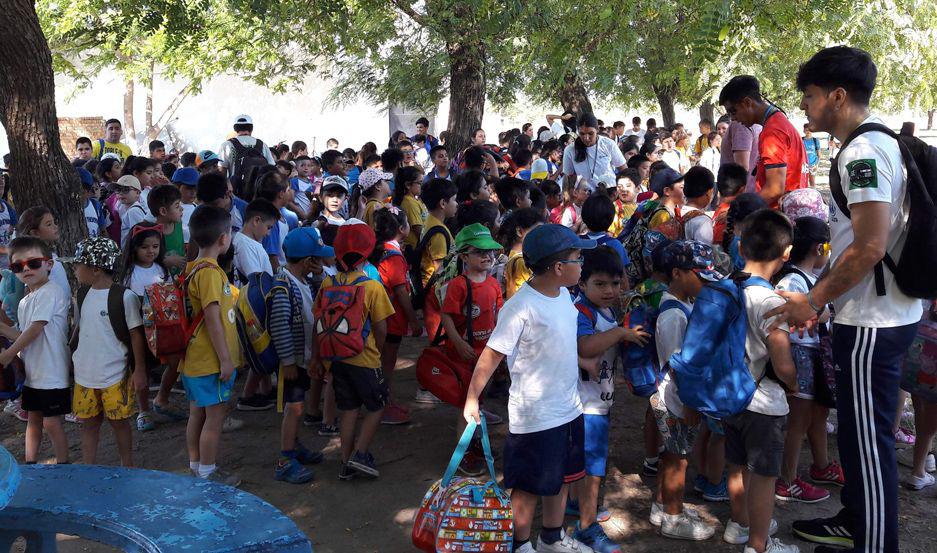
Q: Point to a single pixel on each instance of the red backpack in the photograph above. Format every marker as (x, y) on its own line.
(341, 326)
(167, 314)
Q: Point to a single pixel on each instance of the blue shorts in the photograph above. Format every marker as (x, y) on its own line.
(596, 444)
(208, 390)
(540, 463)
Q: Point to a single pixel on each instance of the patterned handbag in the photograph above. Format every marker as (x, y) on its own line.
(920, 369)
(465, 514)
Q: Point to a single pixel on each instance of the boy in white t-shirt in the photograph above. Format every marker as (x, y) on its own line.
(42, 344)
(699, 185)
(249, 253)
(108, 344)
(536, 331)
(132, 210)
(303, 187)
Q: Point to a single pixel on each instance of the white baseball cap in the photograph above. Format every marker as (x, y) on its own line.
(243, 119)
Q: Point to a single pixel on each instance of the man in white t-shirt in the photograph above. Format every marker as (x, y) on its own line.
(875, 321)
(636, 130)
(591, 156)
(243, 126)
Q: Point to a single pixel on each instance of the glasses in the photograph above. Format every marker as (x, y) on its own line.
(33, 263)
(578, 261)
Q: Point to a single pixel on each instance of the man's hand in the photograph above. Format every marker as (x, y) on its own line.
(471, 411)
(227, 370)
(796, 311)
(289, 372)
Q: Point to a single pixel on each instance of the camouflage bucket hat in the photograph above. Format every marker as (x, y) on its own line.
(98, 252)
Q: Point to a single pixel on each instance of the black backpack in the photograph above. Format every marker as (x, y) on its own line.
(415, 259)
(916, 269)
(246, 163)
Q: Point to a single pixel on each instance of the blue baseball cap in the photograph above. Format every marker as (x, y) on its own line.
(306, 242)
(690, 255)
(546, 240)
(87, 180)
(664, 178)
(185, 175)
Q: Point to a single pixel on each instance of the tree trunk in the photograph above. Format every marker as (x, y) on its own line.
(467, 92)
(708, 111)
(130, 130)
(666, 97)
(41, 173)
(151, 131)
(930, 119)
(573, 95)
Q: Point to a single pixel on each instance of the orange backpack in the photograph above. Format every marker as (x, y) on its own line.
(167, 314)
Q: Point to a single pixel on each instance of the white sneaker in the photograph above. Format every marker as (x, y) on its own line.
(526, 548)
(683, 527)
(915, 483)
(737, 534)
(566, 544)
(775, 546)
(425, 396)
(657, 513)
(906, 458)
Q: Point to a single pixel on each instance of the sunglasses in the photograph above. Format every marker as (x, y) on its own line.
(33, 263)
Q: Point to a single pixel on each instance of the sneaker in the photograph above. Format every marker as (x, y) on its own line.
(145, 421)
(775, 546)
(572, 510)
(169, 413)
(737, 534)
(72, 418)
(472, 464)
(526, 548)
(306, 456)
(224, 477)
(699, 484)
(904, 438)
(798, 490)
(685, 527)
(393, 416)
(650, 469)
(566, 544)
(833, 474)
(312, 420)
(657, 513)
(427, 397)
(256, 402)
(364, 463)
(328, 430)
(292, 471)
(919, 483)
(15, 408)
(906, 458)
(716, 492)
(347, 473)
(401, 407)
(492, 419)
(828, 531)
(596, 538)
(231, 424)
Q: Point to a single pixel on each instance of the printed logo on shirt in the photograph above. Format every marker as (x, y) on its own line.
(862, 174)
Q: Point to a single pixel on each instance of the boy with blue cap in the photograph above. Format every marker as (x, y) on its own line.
(536, 331)
(94, 213)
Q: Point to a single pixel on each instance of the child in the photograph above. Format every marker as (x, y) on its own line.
(698, 187)
(668, 185)
(207, 369)
(731, 182)
(685, 266)
(131, 208)
(374, 189)
(755, 437)
(472, 185)
(439, 196)
(598, 212)
(599, 337)
(808, 416)
(511, 235)
(439, 155)
(537, 333)
(409, 185)
(290, 324)
(571, 211)
(513, 193)
(276, 191)
(712, 156)
(333, 193)
(741, 207)
(302, 186)
(625, 200)
(554, 196)
(104, 383)
(39, 222)
(358, 380)
(8, 222)
(249, 254)
(468, 326)
(165, 203)
(42, 344)
(390, 227)
(93, 212)
(186, 179)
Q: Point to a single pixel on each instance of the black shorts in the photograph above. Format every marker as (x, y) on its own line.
(356, 386)
(294, 391)
(393, 339)
(756, 441)
(540, 463)
(51, 403)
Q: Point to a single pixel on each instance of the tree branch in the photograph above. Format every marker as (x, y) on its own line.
(406, 8)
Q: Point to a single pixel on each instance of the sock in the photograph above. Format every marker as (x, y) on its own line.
(193, 466)
(652, 460)
(551, 535)
(518, 544)
(204, 471)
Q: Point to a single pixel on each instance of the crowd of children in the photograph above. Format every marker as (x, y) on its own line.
(563, 289)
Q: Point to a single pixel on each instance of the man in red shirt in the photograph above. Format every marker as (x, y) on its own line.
(781, 155)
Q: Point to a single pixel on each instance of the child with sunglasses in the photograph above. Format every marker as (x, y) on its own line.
(42, 344)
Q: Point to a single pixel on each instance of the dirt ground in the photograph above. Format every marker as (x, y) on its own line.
(375, 516)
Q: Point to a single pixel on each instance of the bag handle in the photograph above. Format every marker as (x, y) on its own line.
(463, 446)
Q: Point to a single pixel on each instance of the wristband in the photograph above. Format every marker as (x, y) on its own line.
(818, 310)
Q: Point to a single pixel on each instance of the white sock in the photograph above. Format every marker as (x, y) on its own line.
(193, 466)
(205, 470)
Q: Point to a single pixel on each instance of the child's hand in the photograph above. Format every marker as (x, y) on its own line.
(289, 372)
(317, 370)
(471, 410)
(227, 370)
(6, 357)
(138, 380)
(173, 260)
(636, 335)
(590, 365)
(416, 329)
(464, 350)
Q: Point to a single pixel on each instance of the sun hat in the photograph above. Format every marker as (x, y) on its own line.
(206, 156)
(370, 177)
(665, 178)
(185, 175)
(690, 255)
(243, 119)
(539, 169)
(334, 181)
(98, 251)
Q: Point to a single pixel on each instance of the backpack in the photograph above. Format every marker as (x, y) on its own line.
(916, 269)
(641, 368)
(12, 376)
(167, 314)
(342, 328)
(446, 376)
(633, 237)
(711, 370)
(245, 164)
(253, 310)
(117, 316)
(415, 260)
(465, 514)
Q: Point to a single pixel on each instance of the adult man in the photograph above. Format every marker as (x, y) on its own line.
(872, 332)
(244, 127)
(422, 130)
(781, 157)
(111, 144)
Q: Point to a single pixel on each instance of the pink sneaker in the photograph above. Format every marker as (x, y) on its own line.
(798, 490)
(833, 474)
(904, 438)
(394, 416)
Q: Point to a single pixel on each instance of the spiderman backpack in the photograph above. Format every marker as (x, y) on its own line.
(341, 326)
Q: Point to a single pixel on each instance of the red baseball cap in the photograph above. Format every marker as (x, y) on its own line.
(354, 237)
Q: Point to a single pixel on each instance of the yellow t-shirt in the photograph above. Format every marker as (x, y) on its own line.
(659, 219)
(516, 274)
(377, 307)
(207, 286)
(436, 249)
(416, 217)
(122, 150)
(623, 213)
(369, 209)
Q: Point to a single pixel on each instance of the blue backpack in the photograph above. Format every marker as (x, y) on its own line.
(253, 310)
(711, 370)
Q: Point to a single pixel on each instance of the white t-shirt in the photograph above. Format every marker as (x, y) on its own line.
(699, 228)
(46, 358)
(769, 398)
(639, 133)
(571, 216)
(91, 218)
(250, 256)
(601, 160)
(301, 187)
(557, 128)
(674, 159)
(538, 335)
(141, 277)
(711, 159)
(187, 211)
(793, 282)
(671, 328)
(131, 216)
(873, 160)
(306, 293)
(597, 396)
(58, 275)
(101, 359)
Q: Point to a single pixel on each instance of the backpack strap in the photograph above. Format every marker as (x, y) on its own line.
(469, 334)
(197, 320)
(82, 293)
(100, 148)
(239, 148)
(117, 314)
(258, 146)
(584, 309)
(672, 304)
